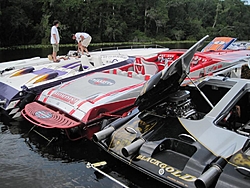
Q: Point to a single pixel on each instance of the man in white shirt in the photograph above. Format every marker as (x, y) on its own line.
(83, 40)
(54, 40)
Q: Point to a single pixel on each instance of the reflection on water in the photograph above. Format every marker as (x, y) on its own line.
(27, 161)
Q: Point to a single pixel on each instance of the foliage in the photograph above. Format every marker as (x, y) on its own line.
(29, 22)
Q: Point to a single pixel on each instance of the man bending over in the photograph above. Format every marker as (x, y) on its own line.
(83, 40)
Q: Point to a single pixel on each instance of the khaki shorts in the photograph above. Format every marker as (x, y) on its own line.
(86, 41)
(55, 47)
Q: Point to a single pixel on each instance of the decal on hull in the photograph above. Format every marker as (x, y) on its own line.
(168, 169)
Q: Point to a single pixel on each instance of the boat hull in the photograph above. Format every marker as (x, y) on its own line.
(15, 99)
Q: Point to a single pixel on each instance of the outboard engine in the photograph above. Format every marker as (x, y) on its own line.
(178, 104)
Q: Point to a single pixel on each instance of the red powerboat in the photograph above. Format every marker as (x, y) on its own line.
(83, 106)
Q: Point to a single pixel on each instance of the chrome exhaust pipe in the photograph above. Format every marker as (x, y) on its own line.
(133, 147)
(101, 135)
(211, 175)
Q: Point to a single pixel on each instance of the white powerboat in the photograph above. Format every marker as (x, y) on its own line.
(21, 86)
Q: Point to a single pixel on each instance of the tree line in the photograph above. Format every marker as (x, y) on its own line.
(26, 22)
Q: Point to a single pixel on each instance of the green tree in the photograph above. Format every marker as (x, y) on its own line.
(30, 21)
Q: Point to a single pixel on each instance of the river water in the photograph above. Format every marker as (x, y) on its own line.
(27, 162)
(9, 55)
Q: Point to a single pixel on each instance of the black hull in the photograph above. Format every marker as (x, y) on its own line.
(126, 161)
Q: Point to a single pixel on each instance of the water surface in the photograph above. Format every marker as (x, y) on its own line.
(27, 161)
(10, 55)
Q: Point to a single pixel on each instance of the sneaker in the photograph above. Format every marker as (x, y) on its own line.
(88, 55)
(75, 54)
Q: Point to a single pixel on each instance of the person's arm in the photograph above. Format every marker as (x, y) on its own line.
(82, 37)
(54, 35)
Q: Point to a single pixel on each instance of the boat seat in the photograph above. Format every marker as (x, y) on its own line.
(115, 71)
(131, 74)
(96, 60)
(85, 62)
(123, 73)
(138, 68)
(141, 66)
(149, 67)
(139, 76)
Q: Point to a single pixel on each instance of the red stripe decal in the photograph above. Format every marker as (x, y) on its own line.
(103, 96)
(49, 93)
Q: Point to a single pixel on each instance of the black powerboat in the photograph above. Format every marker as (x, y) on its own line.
(195, 135)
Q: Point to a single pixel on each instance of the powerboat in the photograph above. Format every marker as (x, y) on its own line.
(72, 108)
(17, 64)
(126, 51)
(239, 45)
(202, 64)
(21, 86)
(219, 43)
(226, 43)
(129, 51)
(34, 61)
(79, 107)
(194, 135)
(86, 110)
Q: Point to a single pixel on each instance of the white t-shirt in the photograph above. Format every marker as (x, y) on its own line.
(54, 30)
(78, 38)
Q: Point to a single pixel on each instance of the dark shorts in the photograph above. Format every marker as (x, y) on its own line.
(55, 47)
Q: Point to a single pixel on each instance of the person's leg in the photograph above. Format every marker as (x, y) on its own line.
(85, 49)
(80, 47)
(85, 44)
(54, 52)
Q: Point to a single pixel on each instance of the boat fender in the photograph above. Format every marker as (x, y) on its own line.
(101, 135)
(211, 175)
(133, 147)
